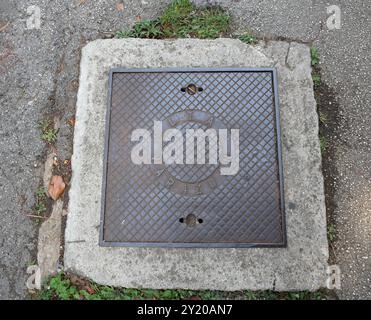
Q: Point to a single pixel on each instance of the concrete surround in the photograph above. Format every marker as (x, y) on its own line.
(300, 266)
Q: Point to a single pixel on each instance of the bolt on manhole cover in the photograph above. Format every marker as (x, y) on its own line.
(193, 159)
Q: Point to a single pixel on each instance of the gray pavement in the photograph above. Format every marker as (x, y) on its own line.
(38, 72)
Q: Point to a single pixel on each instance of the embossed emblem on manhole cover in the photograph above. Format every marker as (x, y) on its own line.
(193, 159)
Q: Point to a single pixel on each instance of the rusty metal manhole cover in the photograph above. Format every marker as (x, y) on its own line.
(193, 159)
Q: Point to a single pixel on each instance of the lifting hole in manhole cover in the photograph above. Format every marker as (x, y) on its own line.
(191, 89)
(191, 220)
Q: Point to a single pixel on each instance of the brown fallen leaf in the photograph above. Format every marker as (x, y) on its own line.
(56, 187)
(120, 7)
(77, 281)
(71, 121)
(90, 290)
(74, 84)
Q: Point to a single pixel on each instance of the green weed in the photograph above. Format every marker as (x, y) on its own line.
(248, 38)
(314, 56)
(316, 79)
(323, 143)
(323, 117)
(331, 232)
(182, 19)
(48, 133)
(40, 206)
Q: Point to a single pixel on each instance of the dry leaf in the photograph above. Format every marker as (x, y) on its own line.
(90, 290)
(81, 2)
(72, 121)
(120, 7)
(74, 84)
(56, 187)
(78, 281)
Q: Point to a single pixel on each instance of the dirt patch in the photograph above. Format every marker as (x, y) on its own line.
(328, 110)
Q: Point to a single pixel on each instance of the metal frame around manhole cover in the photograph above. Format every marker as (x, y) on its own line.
(133, 212)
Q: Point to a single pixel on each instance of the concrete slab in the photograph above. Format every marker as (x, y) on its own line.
(300, 266)
(48, 249)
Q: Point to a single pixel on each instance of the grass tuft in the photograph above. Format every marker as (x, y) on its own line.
(316, 79)
(331, 232)
(149, 29)
(248, 38)
(323, 117)
(48, 133)
(323, 143)
(182, 19)
(40, 206)
(314, 56)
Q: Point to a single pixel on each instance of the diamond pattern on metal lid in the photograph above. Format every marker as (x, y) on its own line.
(193, 205)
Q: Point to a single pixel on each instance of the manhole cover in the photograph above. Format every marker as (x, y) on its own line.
(193, 159)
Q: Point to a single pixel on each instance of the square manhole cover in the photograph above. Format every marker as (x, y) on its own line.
(193, 159)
